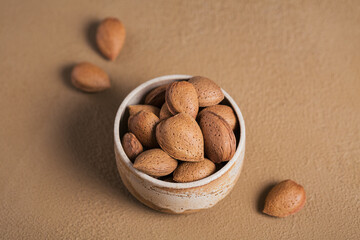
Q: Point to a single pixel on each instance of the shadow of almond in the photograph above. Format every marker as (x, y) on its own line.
(86, 135)
(66, 76)
(89, 134)
(262, 196)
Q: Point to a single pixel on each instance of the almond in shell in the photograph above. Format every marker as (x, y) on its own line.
(225, 112)
(89, 77)
(110, 37)
(131, 145)
(164, 112)
(156, 97)
(181, 97)
(208, 91)
(155, 162)
(143, 125)
(180, 136)
(134, 109)
(219, 139)
(286, 198)
(193, 171)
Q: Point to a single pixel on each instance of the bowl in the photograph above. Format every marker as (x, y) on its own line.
(170, 197)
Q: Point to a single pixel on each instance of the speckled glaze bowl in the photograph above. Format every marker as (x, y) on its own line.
(170, 197)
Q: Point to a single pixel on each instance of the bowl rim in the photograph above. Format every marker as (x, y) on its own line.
(174, 185)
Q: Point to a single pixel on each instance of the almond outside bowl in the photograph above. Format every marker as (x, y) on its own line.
(169, 197)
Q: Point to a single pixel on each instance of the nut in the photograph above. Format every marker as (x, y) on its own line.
(155, 162)
(181, 97)
(180, 136)
(209, 92)
(192, 171)
(134, 109)
(286, 198)
(131, 145)
(156, 97)
(219, 139)
(164, 112)
(89, 78)
(142, 125)
(110, 37)
(225, 112)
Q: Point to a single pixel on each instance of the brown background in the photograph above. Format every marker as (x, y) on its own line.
(292, 66)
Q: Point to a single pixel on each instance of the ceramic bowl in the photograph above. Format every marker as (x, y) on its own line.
(173, 197)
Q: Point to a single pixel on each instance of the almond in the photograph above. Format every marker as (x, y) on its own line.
(181, 97)
(164, 112)
(225, 112)
(286, 198)
(143, 125)
(155, 162)
(180, 136)
(156, 96)
(89, 78)
(110, 37)
(192, 171)
(134, 109)
(219, 139)
(208, 91)
(131, 145)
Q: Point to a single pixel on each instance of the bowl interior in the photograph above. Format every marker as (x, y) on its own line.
(137, 97)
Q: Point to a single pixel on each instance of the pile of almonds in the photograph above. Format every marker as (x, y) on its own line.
(168, 135)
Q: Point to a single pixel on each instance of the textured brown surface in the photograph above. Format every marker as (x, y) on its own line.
(292, 66)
